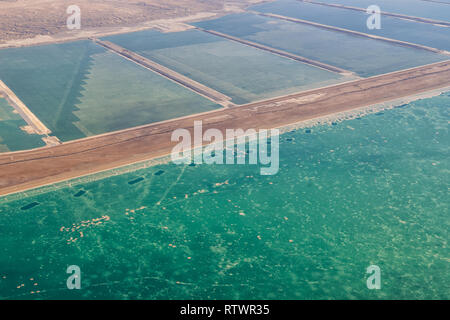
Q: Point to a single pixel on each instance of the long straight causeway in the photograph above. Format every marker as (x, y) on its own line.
(280, 52)
(355, 33)
(193, 85)
(397, 15)
(23, 110)
(29, 169)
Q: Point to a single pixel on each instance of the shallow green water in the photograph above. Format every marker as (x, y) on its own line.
(414, 32)
(364, 56)
(136, 97)
(243, 73)
(12, 138)
(79, 89)
(367, 191)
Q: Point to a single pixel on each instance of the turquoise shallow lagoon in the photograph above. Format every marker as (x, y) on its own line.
(399, 29)
(372, 190)
(366, 57)
(242, 72)
(12, 138)
(79, 89)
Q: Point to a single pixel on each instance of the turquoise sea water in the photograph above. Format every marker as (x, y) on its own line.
(12, 138)
(79, 89)
(366, 57)
(243, 73)
(372, 190)
(417, 8)
(404, 30)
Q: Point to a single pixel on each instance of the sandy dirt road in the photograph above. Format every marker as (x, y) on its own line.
(25, 170)
(170, 74)
(22, 109)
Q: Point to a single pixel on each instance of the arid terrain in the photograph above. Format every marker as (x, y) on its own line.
(28, 169)
(45, 19)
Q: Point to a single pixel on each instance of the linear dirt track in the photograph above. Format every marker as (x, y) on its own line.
(23, 110)
(279, 52)
(25, 170)
(397, 15)
(355, 33)
(186, 82)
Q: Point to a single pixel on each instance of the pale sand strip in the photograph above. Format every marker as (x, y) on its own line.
(437, 1)
(309, 93)
(281, 53)
(356, 33)
(397, 15)
(172, 75)
(30, 169)
(164, 159)
(23, 110)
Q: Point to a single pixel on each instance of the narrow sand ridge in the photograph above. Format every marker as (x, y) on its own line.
(281, 53)
(355, 33)
(22, 109)
(172, 75)
(397, 15)
(21, 171)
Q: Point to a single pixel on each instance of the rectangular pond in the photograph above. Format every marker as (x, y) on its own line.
(405, 30)
(416, 8)
(241, 72)
(80, 89)
(364, 56)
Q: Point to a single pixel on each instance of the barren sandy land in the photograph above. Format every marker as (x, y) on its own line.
(25, 170)
(28, 22)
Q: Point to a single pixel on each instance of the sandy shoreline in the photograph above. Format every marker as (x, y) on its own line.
(36, 168)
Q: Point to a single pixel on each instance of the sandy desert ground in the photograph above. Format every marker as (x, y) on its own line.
(45, 20)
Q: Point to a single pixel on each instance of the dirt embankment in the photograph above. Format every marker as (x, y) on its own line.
(37, 126)
(24, 170)
(186, 82)
(355, 33)
(397, 15)
(281, 53)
